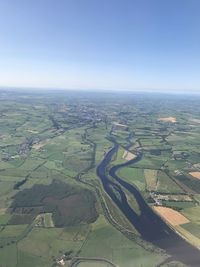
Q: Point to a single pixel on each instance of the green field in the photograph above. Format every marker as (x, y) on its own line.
(193, 214)
(133, 176)
(193, 228)
(179, 205)
(166, 184)
(104, 241)
(12, 231)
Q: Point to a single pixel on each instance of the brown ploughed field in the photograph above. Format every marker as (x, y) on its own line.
(171, 216)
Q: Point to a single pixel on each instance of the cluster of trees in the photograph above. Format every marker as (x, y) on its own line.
(54, 198)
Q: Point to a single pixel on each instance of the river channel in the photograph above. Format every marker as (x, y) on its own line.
(150, 226)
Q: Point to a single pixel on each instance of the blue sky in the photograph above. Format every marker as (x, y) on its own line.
(101, 44)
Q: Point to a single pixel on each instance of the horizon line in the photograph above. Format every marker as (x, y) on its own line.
(103, 90)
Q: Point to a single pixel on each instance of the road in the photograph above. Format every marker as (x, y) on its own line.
(77, 260)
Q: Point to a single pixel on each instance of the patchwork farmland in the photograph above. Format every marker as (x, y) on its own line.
(53, 206)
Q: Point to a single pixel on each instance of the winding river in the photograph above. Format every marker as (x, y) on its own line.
(151, 227)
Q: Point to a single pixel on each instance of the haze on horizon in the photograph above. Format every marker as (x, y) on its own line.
(109, 44)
